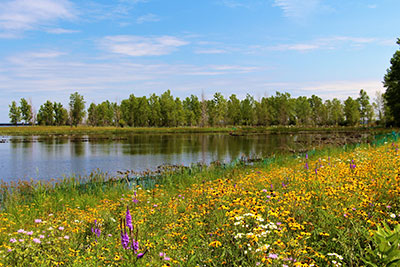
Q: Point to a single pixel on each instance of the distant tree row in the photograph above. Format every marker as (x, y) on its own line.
(49, 113)
(168, 111)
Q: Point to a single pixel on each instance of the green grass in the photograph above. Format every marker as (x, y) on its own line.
(67, 130)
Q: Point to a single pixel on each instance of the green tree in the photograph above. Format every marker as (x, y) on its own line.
(303, 110)
(263, 112)
(352, 111)
(167, 106)
(234, 115)
(45, 115)
(179, 118)
(366, 110)
(192, 110)
(15, 113)
(220, 109)
(60, 114)
(26, 111)
(379, 106)
(336, 112)
(392, 84)
(142, 110)
(283, 109)
(316, 110)
(154, 110)
(247, 107)
(92, 115)
(76, 108)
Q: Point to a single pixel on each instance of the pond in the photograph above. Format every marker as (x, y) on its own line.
(53, 157)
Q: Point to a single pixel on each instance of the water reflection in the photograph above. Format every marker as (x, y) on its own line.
(46, 157)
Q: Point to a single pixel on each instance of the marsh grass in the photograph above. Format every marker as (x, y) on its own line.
(67, 130)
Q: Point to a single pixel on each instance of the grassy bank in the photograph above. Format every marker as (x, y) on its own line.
(67, 130)
(314, 210)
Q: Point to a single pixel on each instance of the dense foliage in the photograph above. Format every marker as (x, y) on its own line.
(392, 84)
(167, 111)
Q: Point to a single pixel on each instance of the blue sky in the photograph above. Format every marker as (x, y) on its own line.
(111, 49)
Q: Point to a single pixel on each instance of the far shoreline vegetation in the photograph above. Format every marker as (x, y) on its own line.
(166, 111)
(235, 131)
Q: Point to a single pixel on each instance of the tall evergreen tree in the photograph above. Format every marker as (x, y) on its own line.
(392, 84)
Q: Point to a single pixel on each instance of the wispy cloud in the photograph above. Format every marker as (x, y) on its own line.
(372, 6)
(61, 31)
(211, 51)
(137, 46)
(297, 9)
(147, 18)
(233, 3)
(17, 16)
(325, 43)
(342, 89)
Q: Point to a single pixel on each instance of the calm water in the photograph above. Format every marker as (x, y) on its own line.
(44, 158)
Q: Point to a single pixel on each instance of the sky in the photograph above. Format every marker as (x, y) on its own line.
(107, 50)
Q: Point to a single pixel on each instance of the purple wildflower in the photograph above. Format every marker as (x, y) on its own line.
(134, 198)
(306, 156)
(38, 220)
(37, 240)
(135, 245)
(140, 255)
(272, 256)
(124, 240)
(29, 233)
(13, 240)
(96, 230)
(128, 219)
(306, 166)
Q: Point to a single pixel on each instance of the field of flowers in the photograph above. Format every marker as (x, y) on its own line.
(309, 211)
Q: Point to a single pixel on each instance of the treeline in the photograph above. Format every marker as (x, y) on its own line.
(168, 111)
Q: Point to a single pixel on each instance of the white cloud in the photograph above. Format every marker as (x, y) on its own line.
(342, 89)
(22, 15)
(137, 46)
(211, 51)
(232, 3)
(297, 8)
(372, 6)
(61, 31)
(147, 18)
(324, 43)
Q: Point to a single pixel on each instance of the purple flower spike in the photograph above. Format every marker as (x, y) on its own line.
(135, 245)
(128, 219)
(316, 171)
(124, 240)
(306, 156)
(306, 166)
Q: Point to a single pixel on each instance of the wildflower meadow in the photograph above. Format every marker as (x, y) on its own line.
(332, 208)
